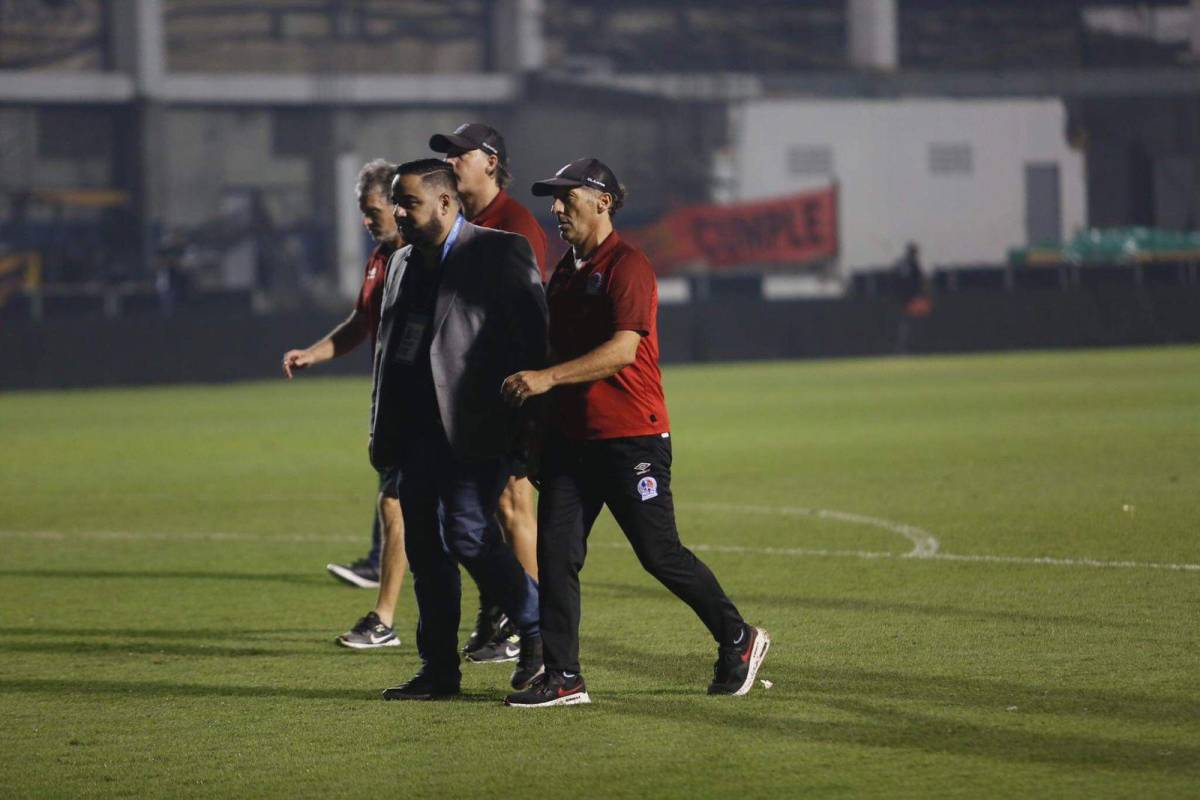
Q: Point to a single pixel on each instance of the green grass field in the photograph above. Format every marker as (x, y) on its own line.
(166, 625)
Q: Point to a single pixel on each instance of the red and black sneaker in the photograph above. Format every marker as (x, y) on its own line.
(738, 664)
(551, 688)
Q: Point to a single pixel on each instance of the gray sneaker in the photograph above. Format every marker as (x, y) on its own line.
(488, 623)
(369, 633)
(362, 573)
(504, 646)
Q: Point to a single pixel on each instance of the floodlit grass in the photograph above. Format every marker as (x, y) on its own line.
(166, 626)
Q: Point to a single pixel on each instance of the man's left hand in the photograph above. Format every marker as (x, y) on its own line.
(520, 386)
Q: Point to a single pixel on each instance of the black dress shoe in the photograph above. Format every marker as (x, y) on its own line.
(423, 687)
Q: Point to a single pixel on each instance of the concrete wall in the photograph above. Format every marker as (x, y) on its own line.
(223, 345)
(656, 147)
(1143, 158)
(397, 135)
(212, 152)
(879, 153)
(82, 158)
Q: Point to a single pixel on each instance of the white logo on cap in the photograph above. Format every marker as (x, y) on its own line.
(462, 127)
(596, 182)
(561, 171)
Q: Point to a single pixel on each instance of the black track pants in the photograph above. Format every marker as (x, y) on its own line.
(632, 477)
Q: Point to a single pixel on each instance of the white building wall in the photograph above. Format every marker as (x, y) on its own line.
(881, 160)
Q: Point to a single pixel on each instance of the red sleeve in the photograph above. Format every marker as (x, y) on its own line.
(361, 304)
(370, 296)
(634, 293)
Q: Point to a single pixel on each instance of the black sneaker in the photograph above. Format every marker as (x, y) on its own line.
(368, 633)
(423, 686)
(504, 646)
(529, 662)
(361, 573)
(736, 666)
(552, 688)
(488, 624)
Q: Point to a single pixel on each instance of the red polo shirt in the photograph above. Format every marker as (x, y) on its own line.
(370, 296)
(612, 291)
(506, 214)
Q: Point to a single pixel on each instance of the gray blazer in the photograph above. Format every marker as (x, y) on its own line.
(489, 321)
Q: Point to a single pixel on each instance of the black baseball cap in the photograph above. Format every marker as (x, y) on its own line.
(581, 172)
(471, 136)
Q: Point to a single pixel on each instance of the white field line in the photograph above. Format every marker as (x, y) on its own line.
(925, 545)
(192, 536)
(924, 542)
(1045, 561)
(1067, 562)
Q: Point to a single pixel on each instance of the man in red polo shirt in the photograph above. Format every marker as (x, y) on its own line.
(612, 443)
(480, 160)
(385, 566)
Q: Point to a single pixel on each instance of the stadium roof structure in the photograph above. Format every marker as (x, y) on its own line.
(284, 52)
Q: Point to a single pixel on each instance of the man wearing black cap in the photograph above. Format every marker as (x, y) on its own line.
(612, 443)
(480, 161)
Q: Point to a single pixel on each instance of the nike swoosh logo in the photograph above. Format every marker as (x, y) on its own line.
(377, 639)
(510, 651)
(746, 655)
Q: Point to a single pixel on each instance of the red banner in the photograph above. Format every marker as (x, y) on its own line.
(796, 230)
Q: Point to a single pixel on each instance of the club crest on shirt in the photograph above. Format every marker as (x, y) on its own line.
(372, 273)
(594, 282)
(647, 487)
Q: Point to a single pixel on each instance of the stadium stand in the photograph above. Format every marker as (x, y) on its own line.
(54, 35)
(282, 36)
(638, 36)
(201, 177)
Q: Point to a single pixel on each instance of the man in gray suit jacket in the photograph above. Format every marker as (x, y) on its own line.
(463, 308)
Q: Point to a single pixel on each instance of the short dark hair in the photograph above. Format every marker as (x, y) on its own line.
(374, 176)
(503, 176)
(433, 172)
(618, 198)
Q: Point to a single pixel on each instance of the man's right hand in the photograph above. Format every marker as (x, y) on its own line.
(295, 360)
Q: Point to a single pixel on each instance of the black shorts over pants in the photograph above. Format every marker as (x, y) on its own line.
(632, 476)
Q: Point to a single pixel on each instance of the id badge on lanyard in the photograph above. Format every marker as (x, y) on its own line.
(410, 340)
